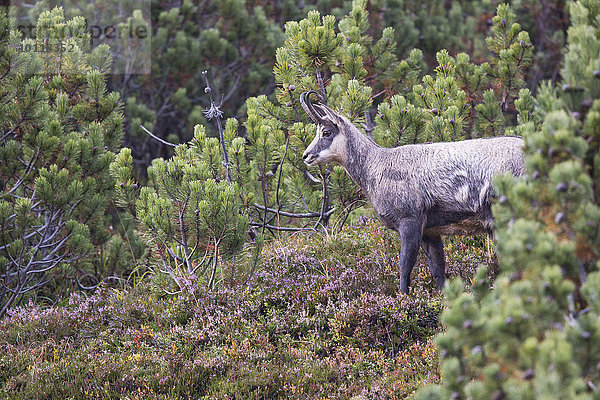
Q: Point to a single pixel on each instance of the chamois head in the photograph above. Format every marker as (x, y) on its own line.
(329, 143)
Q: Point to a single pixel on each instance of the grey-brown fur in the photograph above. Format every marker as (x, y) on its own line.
(420, 191)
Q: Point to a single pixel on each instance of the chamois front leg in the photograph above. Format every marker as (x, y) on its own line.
(410, 231)
(434, 250)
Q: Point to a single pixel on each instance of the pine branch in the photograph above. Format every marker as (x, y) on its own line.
(311, 214)
(282, 228)
(157, 138)
(321, 85)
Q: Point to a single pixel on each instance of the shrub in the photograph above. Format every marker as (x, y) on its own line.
(60, 128)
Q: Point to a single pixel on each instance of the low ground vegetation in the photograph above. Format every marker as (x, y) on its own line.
(321, 318)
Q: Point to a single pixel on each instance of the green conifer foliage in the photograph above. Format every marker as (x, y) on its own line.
(59, 128)
(345, 66)
(535, 334)
(189, 212)
(462, 99)
(235, 40)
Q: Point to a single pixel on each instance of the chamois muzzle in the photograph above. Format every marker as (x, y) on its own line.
(309, 158)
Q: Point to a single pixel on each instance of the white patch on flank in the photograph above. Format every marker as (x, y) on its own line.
(484, 192)
(462, 194)
(461, 173)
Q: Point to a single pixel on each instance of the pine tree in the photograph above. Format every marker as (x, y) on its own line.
(235, 40)
(189, 212)
(463, 99)
(343, 66)
(59, 128)
(535, 334)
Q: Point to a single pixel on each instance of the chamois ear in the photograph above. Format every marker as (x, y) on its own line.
(319, 113)
(328, 114)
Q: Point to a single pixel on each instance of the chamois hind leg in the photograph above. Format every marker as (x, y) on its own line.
(410, 231)
(434, 250)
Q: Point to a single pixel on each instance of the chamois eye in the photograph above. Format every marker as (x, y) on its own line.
(327, 133)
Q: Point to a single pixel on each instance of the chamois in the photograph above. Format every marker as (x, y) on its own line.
(421, 191)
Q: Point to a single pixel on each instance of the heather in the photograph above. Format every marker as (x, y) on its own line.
(321, 317)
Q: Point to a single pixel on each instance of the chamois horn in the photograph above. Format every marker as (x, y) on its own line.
(315, 115)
